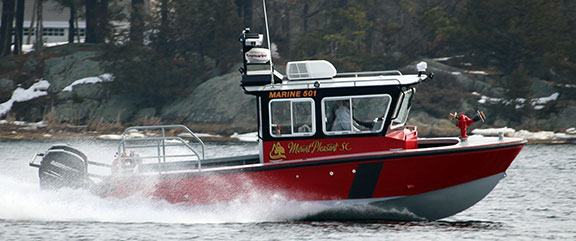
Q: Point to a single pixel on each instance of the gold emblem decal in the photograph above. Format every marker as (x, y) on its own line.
(277, 151)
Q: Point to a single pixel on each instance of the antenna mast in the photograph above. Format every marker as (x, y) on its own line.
(268, 41)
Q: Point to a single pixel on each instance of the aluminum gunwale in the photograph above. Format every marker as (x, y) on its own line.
(363, 157)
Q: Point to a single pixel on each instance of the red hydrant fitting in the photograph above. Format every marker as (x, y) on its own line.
(463, 121)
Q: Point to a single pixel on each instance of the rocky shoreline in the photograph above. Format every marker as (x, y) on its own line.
(18, 130)
(69, 89)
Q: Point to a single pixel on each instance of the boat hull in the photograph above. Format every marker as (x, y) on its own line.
(432, 205)
(425, 184)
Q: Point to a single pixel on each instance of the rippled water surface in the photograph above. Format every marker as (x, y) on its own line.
(536, 201)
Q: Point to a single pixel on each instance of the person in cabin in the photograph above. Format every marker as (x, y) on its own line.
(342, 119)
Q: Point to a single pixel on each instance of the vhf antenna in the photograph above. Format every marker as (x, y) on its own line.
(268, 41)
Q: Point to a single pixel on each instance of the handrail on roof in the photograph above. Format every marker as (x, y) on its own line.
(369, 73)
(309, 84)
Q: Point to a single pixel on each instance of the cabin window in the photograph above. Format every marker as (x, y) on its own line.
(403, 107)
(355, 114)
(292, 117)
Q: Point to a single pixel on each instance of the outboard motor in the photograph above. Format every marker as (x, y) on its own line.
(62, 166)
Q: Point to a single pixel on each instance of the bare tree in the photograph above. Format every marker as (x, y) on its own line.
(137, 22)
(91, 21)
(32, 21)
(96, 21)
(72, 6)
(38, 34)
(19, 33)
(6, 27)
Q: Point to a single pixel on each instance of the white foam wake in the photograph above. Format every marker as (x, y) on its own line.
(25, 201)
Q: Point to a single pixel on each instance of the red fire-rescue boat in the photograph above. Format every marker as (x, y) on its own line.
(339, 140)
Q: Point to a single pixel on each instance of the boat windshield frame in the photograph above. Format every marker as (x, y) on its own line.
(403, 108)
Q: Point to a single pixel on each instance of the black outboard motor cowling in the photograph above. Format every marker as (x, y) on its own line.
(63, 166)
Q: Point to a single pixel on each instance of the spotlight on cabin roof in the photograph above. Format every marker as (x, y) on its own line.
(422, 66)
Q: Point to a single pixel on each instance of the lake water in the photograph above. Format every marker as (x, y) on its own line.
(537, 201)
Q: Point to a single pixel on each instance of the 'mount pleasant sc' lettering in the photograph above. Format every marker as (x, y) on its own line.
(317, 146)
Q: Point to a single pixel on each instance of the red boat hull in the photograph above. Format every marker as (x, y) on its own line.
(390, 180)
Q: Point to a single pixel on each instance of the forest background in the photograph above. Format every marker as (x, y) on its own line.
(502, 56)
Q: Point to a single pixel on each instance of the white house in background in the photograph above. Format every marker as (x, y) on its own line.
(55, 20)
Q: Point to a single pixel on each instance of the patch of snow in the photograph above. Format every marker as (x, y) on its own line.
(537, 103)
(544, 100)
(564, 136)
(20, 95)
(135, 135)
(456, 73)
(541, 135)
(109, 137)
(479, 72)
(199, 135)
(443, 59)
(26, 48)
(493, 131)
(90, 80)
(485, 99)
(448, 58)
(23, 123)
(247, 137)
(571, 130)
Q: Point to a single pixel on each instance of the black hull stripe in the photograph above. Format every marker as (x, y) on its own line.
(365, 180)
(340, 161)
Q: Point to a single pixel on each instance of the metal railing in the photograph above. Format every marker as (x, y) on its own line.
(369, 73)
(155, 144)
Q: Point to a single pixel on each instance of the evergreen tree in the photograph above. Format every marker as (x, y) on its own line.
(137, 22)
(97, 26)
(203, 28)
(343, 40)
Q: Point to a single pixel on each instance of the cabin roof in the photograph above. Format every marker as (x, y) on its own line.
(355, 79)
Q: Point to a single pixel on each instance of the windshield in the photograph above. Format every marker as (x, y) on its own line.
(403, 107)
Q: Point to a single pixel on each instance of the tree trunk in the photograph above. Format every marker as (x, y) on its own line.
(6, 27)
(32, 21)
(162, 34)
(39, 34)
(71, 28)
(78, 30)
(164, 13)
(19, 33)
(103, 30)
(137, 22)
(91, 21)
(96, 21)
